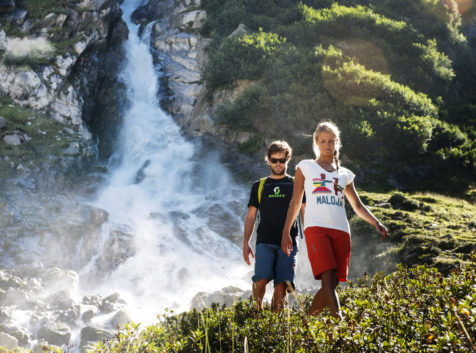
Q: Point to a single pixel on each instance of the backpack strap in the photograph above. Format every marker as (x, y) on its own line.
(260, 188)
(299, 222)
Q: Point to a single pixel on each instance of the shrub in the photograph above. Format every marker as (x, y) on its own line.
(408, 310)
(240, 57)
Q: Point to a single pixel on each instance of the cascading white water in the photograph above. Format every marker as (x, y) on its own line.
(174, 228)
(166, 197)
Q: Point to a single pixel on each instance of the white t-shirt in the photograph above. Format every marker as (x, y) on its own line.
(325, 195)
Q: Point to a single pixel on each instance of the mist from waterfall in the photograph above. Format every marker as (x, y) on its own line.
(165, 225)
(167, 197)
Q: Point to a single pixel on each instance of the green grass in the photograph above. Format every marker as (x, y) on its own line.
(47, 137)
(410, 310)
(424, 228)
(38, 9)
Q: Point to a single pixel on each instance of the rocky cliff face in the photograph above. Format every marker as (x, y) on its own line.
(181, 51)
(59, 64)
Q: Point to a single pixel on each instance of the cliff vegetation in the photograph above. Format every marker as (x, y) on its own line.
(398, 78)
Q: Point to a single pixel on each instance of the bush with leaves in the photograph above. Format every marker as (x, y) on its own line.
(409, 310)
(396, 87)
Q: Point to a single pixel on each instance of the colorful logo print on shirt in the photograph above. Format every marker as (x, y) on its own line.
(323, 185)
(328, 186)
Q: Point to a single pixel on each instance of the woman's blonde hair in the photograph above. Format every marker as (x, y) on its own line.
(331, 128)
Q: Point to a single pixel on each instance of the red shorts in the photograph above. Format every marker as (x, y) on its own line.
(328, 249)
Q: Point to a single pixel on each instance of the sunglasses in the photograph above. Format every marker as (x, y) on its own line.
(276, 160)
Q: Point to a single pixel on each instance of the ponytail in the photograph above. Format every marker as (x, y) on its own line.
(336, 159)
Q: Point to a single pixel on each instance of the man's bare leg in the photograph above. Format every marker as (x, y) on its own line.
(277, 302)
(259, 289)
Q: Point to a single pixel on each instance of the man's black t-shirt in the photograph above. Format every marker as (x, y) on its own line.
(275, 198)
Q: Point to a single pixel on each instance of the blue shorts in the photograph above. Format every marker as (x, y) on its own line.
(272, 263)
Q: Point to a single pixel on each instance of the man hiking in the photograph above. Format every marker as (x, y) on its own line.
(271, 195)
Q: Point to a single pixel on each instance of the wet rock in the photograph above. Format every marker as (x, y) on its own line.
(3, 40)
(142, 15)
(4, 315)
(57, 333)
(14, 331)
(112, 303)
(118, 248)
(7, 281)
(8, 341)
(88, 315)
(224, 297)
(120, 318)
(91, 335)
(15, 296)
(95, 300)
(56, 279)
(66, 309)
(18, 17)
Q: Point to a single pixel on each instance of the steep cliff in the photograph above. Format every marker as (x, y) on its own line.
(58, 69)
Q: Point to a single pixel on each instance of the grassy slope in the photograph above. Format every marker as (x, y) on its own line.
(424, 229)
(45, 142)
(409, 310)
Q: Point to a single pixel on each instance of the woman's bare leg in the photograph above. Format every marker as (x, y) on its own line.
(327, 295)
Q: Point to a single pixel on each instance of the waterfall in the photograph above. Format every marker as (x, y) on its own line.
(169, 198)
(165, 225)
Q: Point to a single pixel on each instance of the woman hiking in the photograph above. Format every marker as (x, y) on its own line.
(326, 227)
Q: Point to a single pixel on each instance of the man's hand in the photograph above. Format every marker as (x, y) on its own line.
(287, 243)
(247, 251)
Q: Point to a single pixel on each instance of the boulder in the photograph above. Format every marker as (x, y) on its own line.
(112, 303)
(87, 316)
(141, 15)
(65, 307)
(18, 17)
(3, 40)
(8, 280)
(94, 300)
(225, 297)
(57, 333)
(118, 248)
(13, 140)
(240, 30)
(200, 19)
(8, 341)
(120, 318)
(91, 335)
(14, 331)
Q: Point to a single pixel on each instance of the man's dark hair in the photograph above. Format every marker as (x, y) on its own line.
(279, 146)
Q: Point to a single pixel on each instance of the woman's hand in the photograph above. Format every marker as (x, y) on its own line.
(382, 230)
